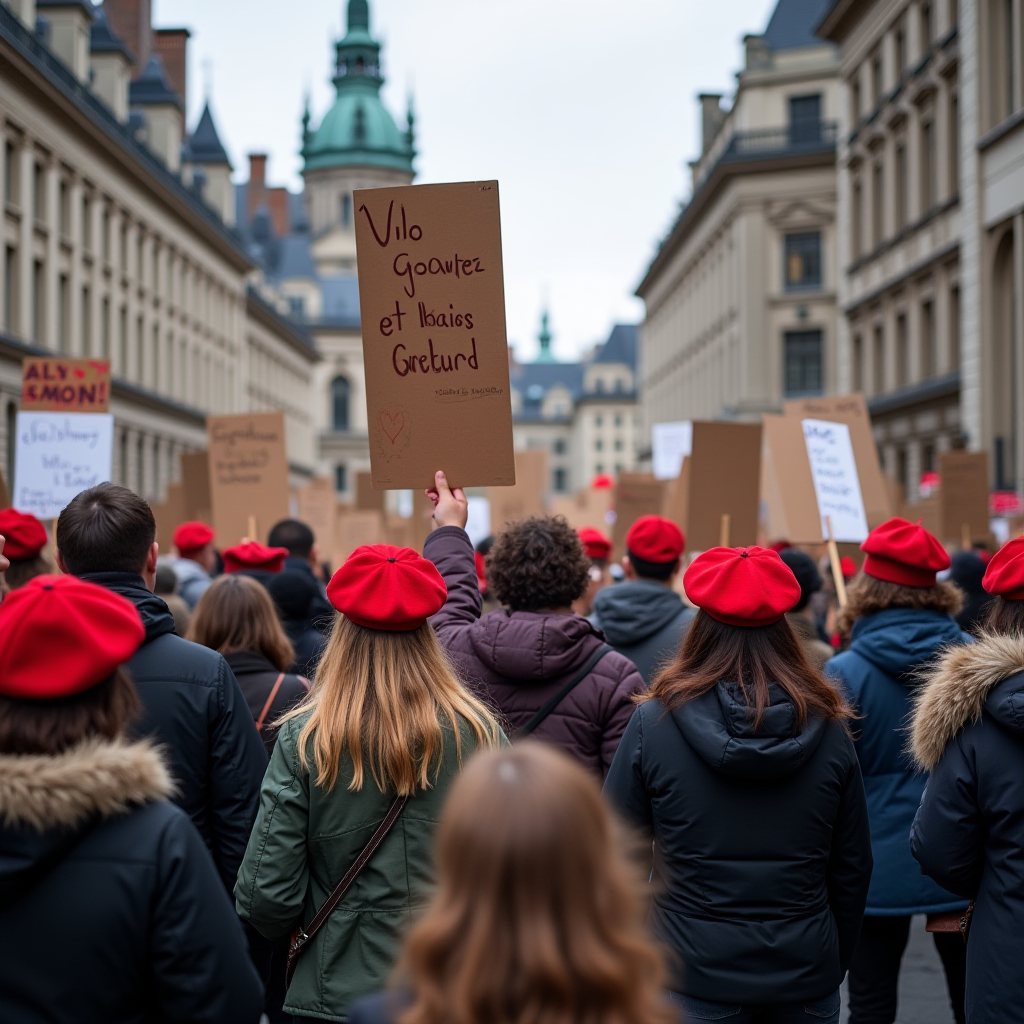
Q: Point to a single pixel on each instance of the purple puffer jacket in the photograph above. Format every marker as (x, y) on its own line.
(516, 661)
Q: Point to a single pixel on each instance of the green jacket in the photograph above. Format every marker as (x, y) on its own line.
(304, 841)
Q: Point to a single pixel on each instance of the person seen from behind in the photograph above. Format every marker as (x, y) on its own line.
(538, 913)
(546, 671)
(303, 559)
(740, 767)
(967, 571)
(165, 586)
(968, 834)
(191, 703)
(25, 539)
(801, 618)
(644, 618)
(111, 908)
(387, 718)
(597, 547)
(196, 560)
(900, 618)
(256, 560)
(295, 595)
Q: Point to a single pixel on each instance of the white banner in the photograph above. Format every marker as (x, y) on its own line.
(836, 484)
(58, 455)
(670, 444)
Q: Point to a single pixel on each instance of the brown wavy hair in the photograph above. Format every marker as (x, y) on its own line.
(383, 696)
(754, 657)
(866, 595)
(1005, 617)
(538, 915)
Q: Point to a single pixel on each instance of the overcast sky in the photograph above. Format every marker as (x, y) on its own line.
(584, 110)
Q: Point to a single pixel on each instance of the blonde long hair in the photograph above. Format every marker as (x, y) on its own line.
(385, 696)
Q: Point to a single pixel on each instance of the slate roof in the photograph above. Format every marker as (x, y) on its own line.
(102, 40)
(341, 300)
(152, 86)
(204, 145)
(793, 22)
(620, 346)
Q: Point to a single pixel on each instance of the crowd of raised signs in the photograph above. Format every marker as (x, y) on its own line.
(503, 784)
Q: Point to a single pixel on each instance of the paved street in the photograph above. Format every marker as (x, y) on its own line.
(923, 998)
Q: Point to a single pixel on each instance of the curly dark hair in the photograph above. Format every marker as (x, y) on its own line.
(537, 563)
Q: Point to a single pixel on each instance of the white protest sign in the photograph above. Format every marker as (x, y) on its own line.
(836, 484)
(58, 455)
(670, 444)
(478, 522)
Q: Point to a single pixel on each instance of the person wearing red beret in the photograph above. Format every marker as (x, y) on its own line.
(740, 767)
(968, 833)
(111, 908)
(196, 560)
(254, 559)
(385, 728)
(548, 672)
(899, 616)
(597, 547)
(24, 540)
(643, 617)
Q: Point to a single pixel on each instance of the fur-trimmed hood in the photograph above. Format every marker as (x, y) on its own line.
(97, 778)
(966, 679)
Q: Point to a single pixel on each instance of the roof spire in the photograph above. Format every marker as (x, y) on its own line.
(358, 15)
(544, 338)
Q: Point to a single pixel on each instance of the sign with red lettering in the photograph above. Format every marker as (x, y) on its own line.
(65, 385)
(432, 302)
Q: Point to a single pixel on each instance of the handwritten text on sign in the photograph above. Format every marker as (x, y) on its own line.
(836, 484)
(58, 455)
(432, 302)
(65, 385)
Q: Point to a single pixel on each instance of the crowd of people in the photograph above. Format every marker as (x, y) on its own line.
(492, 786)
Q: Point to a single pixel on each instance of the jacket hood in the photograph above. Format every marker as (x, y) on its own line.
(245, 662)
(988, 674)
(720, 728)
(531, 647)
(156, 616)
(632, 611)
(188, 569)
(899, 641)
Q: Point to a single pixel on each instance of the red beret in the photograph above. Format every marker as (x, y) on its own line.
(384, 587)
(24, 536)
(848, 567)
(480, 564)
(905, 553)
(192, 537)
(595, 543)
(60, 635)
(1005, 573)
(254, 555)
(602, 482)
(742, 586)
(655, 539)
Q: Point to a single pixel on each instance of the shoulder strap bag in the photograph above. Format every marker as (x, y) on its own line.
(553, 703)
(302, 936)
(270, 700)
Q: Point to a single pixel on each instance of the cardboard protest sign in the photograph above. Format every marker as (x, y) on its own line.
(432, 302)
(527, 497)
(834, 471)
(5, 497)
(670, 444)
(248, 466)
(676, 505)
(58, 455)
(724, 479)
(195, 489)
(853, 411)
(353, 529)
(64, 385)
(789, 503)
(168, 514)
(963, 495)
(367, 499)
(318, 509)
(636, 495)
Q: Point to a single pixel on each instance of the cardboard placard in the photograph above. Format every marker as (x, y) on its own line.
(789, 503)
(670, 444)
(636, 495)
(853, 411)
(677, 497)
(318, 510)
(527, 497)
(168, 514)
(432, 303)
(353, 529)
(248, 465)
(5, 497)
(725, 476)
(367, 499)
(65, 385)
(195, 489)
(58, 455)
(834, 471)
(929, 511)
(963, 495)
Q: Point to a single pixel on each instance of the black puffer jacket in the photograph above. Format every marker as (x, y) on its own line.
(762, 851)
(257, 678)
(968, 834)
(110, 907)
(193, 706)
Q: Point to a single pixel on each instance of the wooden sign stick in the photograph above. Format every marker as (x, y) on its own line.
(723, 534)
(837, 569)
(965, 537)
(252, 528)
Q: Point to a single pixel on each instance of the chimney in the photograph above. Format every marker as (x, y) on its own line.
(131, 21)
(257, 183)
(172, 45)
(70, 25)
(711, 117)
(758, 53)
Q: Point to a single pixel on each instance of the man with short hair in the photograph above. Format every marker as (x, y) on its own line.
(304, 557)
(196, 560)
(643, 617)
(191, 701)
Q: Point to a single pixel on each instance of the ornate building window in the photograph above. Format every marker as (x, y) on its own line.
(802, 363)
(803, 260)
(340, 394)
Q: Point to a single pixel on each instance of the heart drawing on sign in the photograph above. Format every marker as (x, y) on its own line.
(392, 425)
(79, 373)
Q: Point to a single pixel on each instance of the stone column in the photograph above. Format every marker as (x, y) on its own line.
(130, 468)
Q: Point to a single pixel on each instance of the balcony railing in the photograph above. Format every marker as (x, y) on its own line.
(794, 140)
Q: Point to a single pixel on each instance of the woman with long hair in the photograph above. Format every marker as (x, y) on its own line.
(538, 914)
(968, 835)
(25, 539)
(386, 718)
(739, 765)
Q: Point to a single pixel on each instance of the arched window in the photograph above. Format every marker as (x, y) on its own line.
(340, 391)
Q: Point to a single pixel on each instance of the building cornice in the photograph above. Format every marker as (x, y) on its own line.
(914, 270)
(287, 330)
(946, 386)
(840, 19)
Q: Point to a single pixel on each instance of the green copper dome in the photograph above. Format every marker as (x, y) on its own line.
(358, 130)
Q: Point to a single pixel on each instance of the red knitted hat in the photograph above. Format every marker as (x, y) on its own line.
(60, 635)
(595, 543)
(742, 586)
(655, 539)
(902, 552)
(24, 536)
(384, 587)
(191, 537)
(253, 555)
(1005, 573)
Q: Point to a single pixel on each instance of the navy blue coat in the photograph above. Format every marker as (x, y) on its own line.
(877, 673)
(969, 831)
